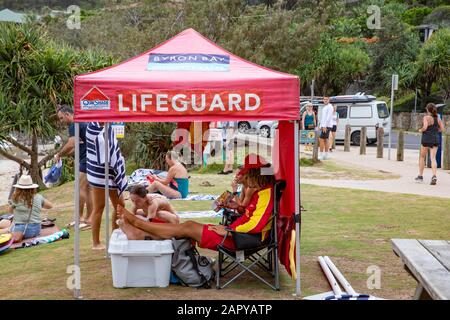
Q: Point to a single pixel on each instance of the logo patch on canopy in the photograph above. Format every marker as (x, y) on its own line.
(188, 62)
(95, 99)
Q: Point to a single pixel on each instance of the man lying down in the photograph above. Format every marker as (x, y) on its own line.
(152, 207)
(255, 219)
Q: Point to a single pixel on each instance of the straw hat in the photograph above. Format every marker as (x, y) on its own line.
(25, 182)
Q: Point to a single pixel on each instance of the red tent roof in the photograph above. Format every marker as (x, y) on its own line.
(186, 78)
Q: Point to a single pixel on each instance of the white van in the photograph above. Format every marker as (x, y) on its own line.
(358, 111)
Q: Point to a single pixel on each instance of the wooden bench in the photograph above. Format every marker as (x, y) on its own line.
(428, 261)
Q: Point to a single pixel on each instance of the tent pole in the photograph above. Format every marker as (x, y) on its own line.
(107, 187)
(297, 207)
(76, 214)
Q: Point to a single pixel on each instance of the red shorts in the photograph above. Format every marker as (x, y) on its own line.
(210, 239)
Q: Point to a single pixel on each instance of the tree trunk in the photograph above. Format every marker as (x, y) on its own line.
(315, 155)
(400, 145)
(363, 141)
(35, 170)
(446, 145)
(348, 131)
(380, 143)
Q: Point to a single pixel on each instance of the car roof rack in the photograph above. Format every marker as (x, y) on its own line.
(358, 97)
(354, 98)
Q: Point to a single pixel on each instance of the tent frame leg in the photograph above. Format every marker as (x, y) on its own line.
(106, 129)
(297, 206)
(76, 214)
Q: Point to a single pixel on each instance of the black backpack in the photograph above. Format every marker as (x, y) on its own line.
(190, 267)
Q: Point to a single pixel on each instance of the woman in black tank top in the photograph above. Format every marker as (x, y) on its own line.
(430, 141)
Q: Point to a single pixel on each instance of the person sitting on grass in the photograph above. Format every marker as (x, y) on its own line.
(153, 207)
(256, 219)
(176, 184)
(26, 206)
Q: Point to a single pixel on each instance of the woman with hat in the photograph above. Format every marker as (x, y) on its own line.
(256, 218)
(26, 205)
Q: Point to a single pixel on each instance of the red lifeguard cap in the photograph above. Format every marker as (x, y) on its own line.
(253, 161)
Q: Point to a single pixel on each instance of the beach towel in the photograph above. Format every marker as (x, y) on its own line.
(140, 175)
(63, 234)
(199, 197)
(200, 214)
(44, 232)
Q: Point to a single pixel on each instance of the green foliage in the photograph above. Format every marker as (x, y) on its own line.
(335, 66)
(146, 144)
(433, 64)
(439, 17)
(35, 75)
(395, 52)
(415, 16)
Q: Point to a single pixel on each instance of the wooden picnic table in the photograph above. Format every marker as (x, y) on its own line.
(428, 261)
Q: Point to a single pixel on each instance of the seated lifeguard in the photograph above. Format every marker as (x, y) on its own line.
(176, 183)
(256, 217)
(152, 207)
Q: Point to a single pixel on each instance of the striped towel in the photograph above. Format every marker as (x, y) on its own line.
(96, 159)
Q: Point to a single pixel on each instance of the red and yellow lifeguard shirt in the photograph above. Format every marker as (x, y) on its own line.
(258, 213)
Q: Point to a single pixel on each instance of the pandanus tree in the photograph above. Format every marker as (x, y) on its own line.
(36, 74)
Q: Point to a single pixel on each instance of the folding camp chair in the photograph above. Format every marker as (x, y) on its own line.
(250, 248)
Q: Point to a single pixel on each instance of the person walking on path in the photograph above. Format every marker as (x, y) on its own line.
(335, 123)
(430, 141)
(326, 124)
(309, 121)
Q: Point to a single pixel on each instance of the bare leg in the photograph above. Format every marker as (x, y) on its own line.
(132, 232)
(322, 145)
(18, 236)
(165, 190)
(114, 197)
(327, 144)
(168, 216)
(433, 152)
(423, 154)
(161, 231)
(83, 195)
(98, 199)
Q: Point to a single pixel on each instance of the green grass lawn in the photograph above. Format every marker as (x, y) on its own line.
(353, 227)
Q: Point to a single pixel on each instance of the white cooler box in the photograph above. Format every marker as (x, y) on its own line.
(139, 263)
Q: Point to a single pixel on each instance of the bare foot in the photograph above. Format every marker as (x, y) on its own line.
(131, 232)
(98, 247)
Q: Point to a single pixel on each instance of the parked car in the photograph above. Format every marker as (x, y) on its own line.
(246, 126)
(267, 129)
(358, 111)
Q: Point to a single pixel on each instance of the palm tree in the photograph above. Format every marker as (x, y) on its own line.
(35, 75)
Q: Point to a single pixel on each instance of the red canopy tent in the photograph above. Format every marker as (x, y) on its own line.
(189, 78)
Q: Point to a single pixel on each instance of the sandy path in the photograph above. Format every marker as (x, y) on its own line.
(8, 169)
(407, 170)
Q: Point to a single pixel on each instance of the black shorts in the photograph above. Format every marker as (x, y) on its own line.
(83, 167)
(430, 145)
(325, 135)
(334, 129)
